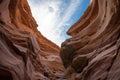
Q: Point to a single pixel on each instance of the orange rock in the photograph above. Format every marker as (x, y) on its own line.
(93, 51)
(24, 53)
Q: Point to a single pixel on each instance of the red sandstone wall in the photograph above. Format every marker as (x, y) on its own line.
(93, 52)
(24, 53)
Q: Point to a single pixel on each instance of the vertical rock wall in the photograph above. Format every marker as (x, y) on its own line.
(24, 53)
(93, 52)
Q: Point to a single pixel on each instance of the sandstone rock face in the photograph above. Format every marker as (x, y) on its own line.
(93, 52)
(24, 53)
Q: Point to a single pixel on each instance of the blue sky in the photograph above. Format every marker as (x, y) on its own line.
(55, 17)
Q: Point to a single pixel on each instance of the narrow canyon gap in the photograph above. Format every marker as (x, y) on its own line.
(93, 52)
(55, 17)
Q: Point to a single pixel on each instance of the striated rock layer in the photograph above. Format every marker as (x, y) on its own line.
(24, 53)
(93, 52)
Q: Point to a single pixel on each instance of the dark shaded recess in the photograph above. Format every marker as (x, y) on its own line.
(5, 75)
(1, 1)
(46, 74)
(1, 22)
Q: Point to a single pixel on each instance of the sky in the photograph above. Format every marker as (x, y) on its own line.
(55, 17)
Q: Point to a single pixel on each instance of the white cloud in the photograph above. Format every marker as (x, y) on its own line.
(50, 17)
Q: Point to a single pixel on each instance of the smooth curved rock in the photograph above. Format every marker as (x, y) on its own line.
(24, 53)
(93, 51)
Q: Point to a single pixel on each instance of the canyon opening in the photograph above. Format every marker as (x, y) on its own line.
(57, 16)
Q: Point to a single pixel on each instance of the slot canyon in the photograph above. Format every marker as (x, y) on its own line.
(92, 53)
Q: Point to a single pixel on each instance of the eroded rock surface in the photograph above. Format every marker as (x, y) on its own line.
(93, 52)
(24, 53)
